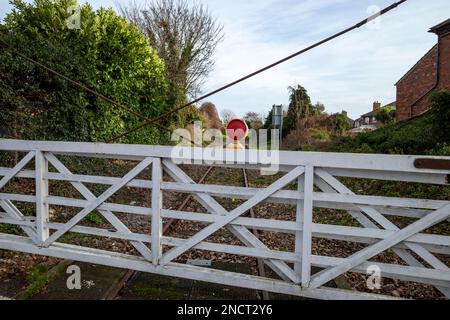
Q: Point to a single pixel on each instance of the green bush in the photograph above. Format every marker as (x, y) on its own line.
(108, 54)
(36, 105)
(307, 147)
(320, 135)
(414, 136)
(94, 218)
(341, 123)
(442, 149)
(440, 107)
(384, 115)
(425, 134)
(39, 278)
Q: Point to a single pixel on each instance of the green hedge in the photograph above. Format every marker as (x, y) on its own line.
(425, 134)
(107, 54)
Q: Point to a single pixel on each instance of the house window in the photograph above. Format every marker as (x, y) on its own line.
(367, 120)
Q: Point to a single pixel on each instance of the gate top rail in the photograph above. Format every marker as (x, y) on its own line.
(315, 175)
(372, 162)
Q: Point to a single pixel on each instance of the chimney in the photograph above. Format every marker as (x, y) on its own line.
(376, 106)
(442, 30)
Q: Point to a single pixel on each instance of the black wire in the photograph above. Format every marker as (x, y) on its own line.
(149, 121)
(358, 25)
(14, 51)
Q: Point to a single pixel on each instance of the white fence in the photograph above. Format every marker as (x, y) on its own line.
(318, 187)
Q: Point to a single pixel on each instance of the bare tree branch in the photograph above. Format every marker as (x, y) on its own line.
(227, 115)
(185, 35)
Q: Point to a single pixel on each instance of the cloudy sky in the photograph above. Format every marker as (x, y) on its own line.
(346, 74)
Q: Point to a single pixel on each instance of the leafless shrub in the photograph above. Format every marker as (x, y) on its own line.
(185, 35)
(211, 120)
(227, 116)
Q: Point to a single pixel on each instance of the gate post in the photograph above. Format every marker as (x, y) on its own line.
(303, 239)
(299, 221)
(42, 214)
(156, 210)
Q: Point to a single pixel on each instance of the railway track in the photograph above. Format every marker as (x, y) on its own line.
(115, 290)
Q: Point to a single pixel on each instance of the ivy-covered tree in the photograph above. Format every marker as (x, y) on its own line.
(254, 120)
(116, 58)
(299, 107)
(318, 109)
(36, 105)
(440, 107)
(341, 123)
(385, 115)
(269, 119)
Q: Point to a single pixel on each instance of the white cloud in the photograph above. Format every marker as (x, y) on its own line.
(347, 73)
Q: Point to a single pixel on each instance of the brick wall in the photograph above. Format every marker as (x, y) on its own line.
(415, 84)
(444, 74)
(422, 78)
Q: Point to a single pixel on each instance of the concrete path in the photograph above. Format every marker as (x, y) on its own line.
(97, 281)
(147, 286)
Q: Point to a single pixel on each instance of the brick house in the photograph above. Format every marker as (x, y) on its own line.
(430, 73)
(368, 120)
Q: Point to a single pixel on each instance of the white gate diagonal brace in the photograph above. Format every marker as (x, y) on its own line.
(255, 200)
(108, 215)
(94, 204)
(369, 252)
(22, 163)
(8, 206)
(241, 232)
(385, 223)
(14, 213)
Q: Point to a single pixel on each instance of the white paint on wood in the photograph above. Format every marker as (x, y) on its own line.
(11, 174)
(42, 214)
(15, 214)
(156, 210)
(108, 215)
(206, 232)
(242, 233)
(385, 223)
(369, 252)
(307, 225)
(94, 204)
(334, 196)
(376, 162)
(118, 260)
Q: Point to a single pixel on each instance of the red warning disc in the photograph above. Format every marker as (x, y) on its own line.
(237, 129)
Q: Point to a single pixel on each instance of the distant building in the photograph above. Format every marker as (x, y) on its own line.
(430, 73)
(368, 121)
(349, 120)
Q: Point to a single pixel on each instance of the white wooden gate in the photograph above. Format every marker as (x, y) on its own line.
(422, 253)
